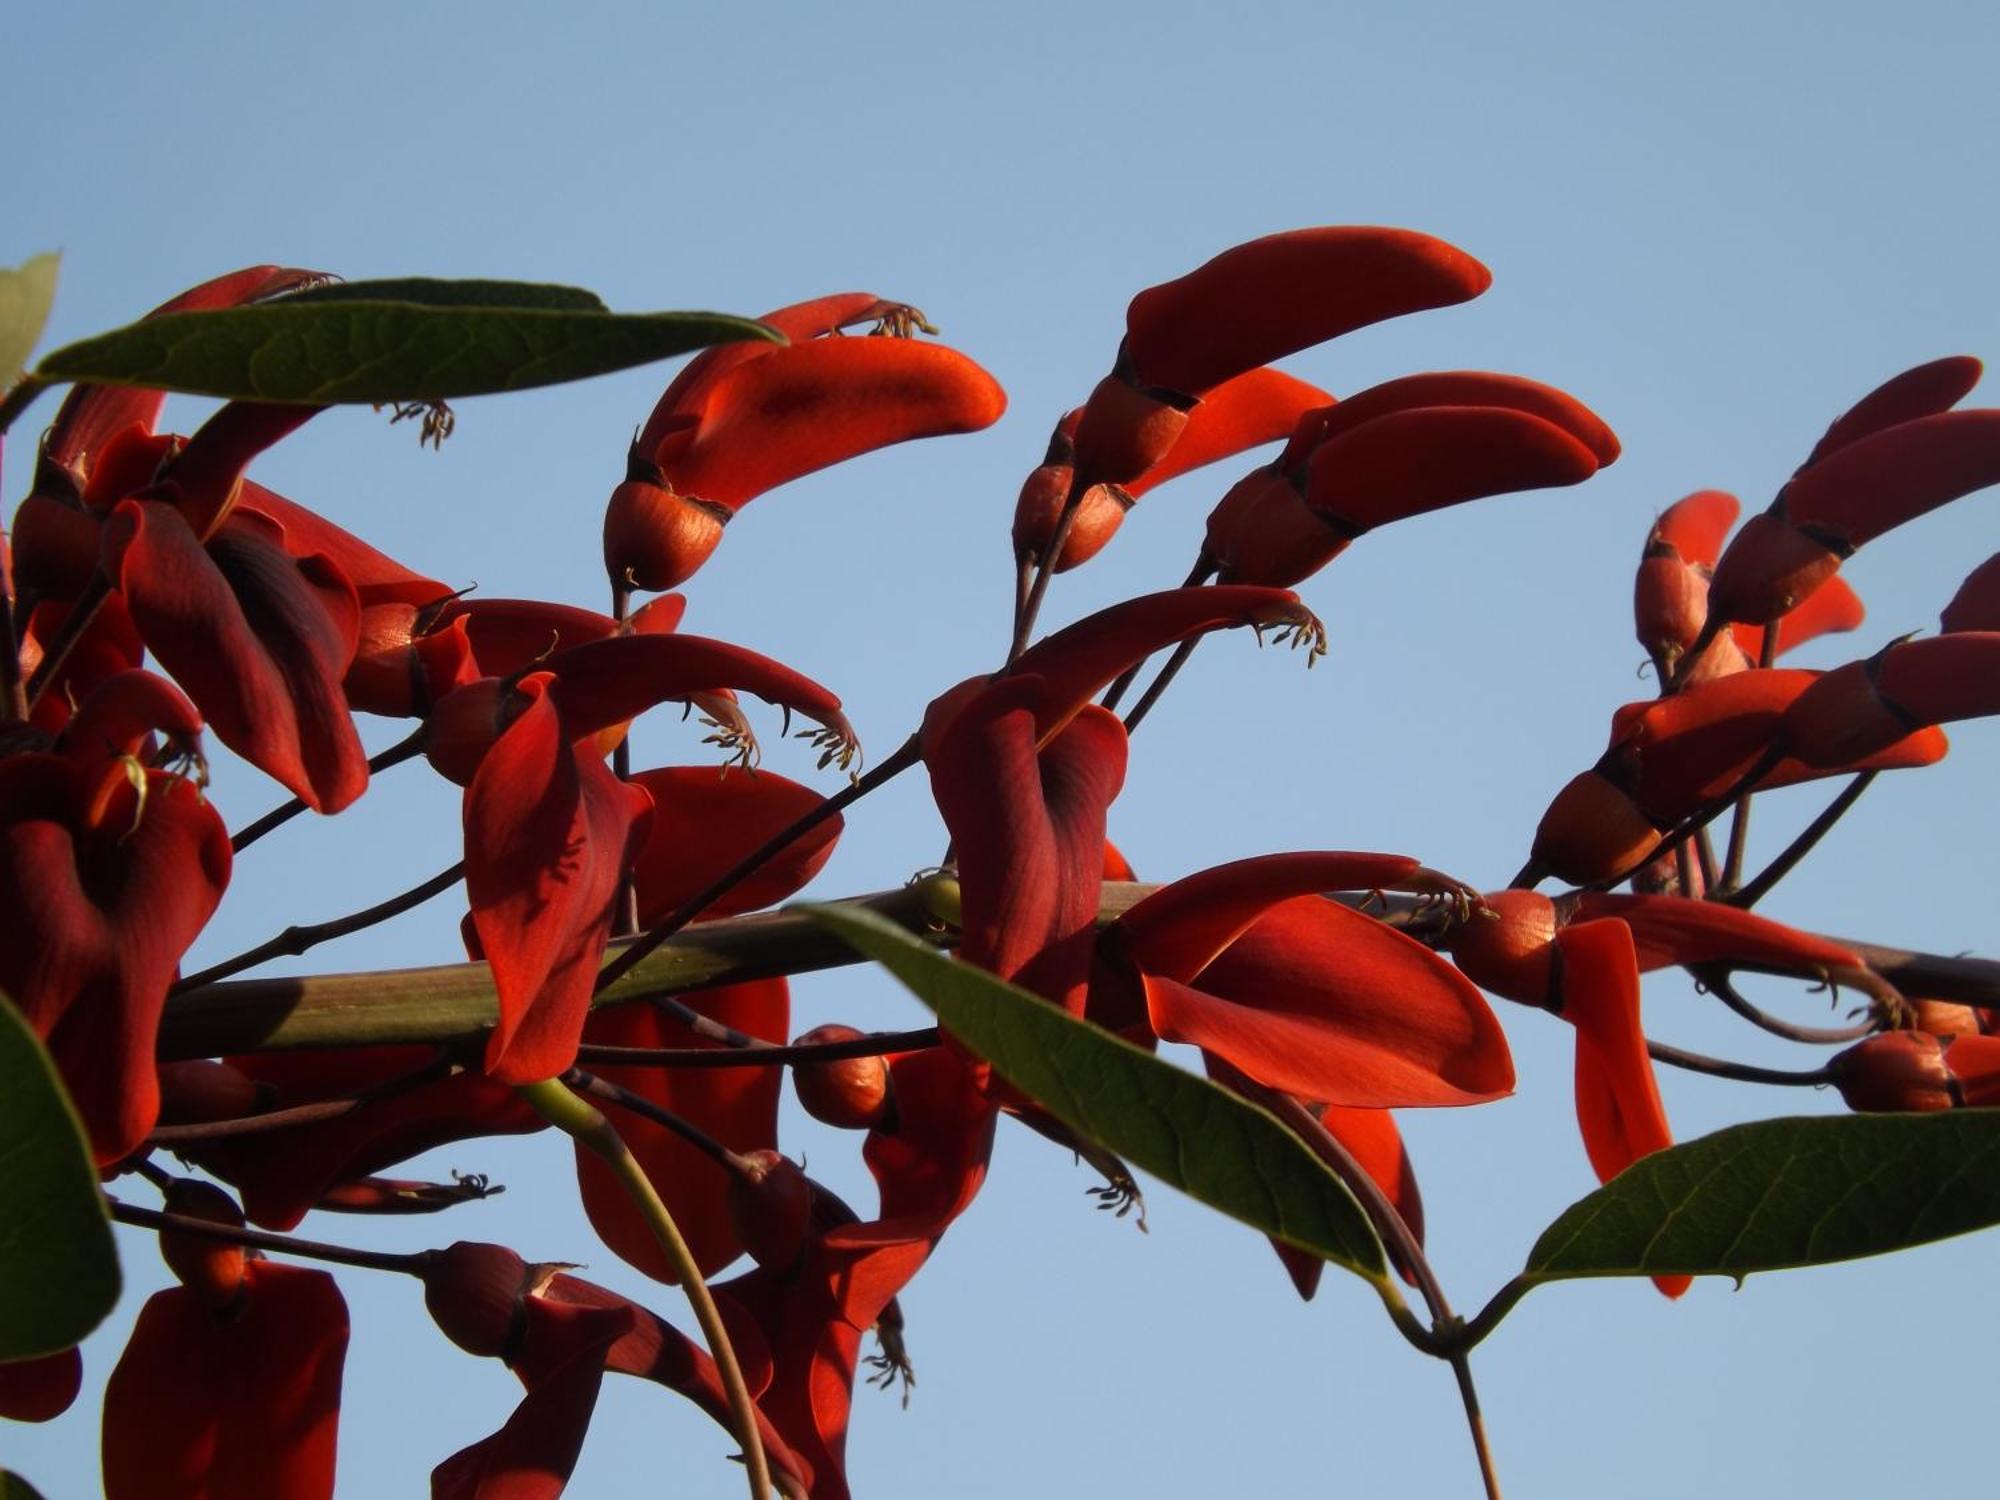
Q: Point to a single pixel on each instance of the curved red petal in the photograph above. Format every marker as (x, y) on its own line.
(237, 1406)
(1246, 411)
(1920, 392)
(804, 407)
(1409, 462)
(1976, 605)
(1181, 928)
(1880, 481)
(708, 818)
(546, 835)
(1274, 296)
(1830, 609)
(1473, 388)
(736, 1106)
(259, 639)
(1668, 930)
(1618, 1099)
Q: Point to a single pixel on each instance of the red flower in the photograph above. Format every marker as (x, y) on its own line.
(234, 1404)
(1248, 962)
(744, 420)
(1897, 454)
(108, 872)
(1397, 450)
(1259, 406)
(1250, 305)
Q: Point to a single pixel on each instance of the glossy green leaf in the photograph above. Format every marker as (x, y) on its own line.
(1781, 1193)
(1186, 1131)
(311, 348)
(433, 291)
(14, 1487)
(58, 1267)
(26, 294)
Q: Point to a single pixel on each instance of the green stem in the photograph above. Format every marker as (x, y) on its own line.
(580, 1121)
(20, 396)
(761, 1054)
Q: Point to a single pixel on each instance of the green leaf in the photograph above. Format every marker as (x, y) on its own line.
(58, 1267)
(1204, 1140)
(1782, 1193)
(26, 294)
(432, 291)
(312, 348)
(14, 1487)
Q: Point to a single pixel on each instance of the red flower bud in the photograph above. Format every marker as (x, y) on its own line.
(1899, 1070)
(477, 1294)
(40, 1390)
(852, 1093)
(656, 539)
(211, 1269)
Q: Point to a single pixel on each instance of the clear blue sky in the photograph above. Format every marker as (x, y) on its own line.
(1718, 224)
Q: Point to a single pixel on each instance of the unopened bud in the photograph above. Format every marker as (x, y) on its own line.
(852, 1093)
(211, 1269)
(770, 1203)
(477, 1294)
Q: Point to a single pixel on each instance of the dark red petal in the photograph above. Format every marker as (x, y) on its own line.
(239, 1406)
(601, 683)
(706, 819)
(801, 408)
(1920, 392)
(1694, 527)
(1668, 930)
(1248, 410)
(683, 402)
(1885, 709)
(1263, 532)
(377, 577)
(1409, 462)
(204, 479)
(737, 1106)
(283, 1173)
(655, 1350)
(546, 836)
(103, 897)
(121, 712)
(1323, 1002)
(986, 778)
(1618, 1100)
(533, 1454)
(40, 1390)
(1474, 388)
(1181, 928)
(1878, 482)
(1830, 609)
(1976, 605)
(1260, 301)
(259, 639)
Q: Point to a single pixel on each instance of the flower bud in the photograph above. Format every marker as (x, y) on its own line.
(1507, 946)
(40, 1389)
(1125, 430)
(477, 1294)
(852, 1093)
(656, 539)
(770, 1205)
(1592, 831)
(464, 725)
(1898, 1070)
(211, 1269)
(1943, 1018)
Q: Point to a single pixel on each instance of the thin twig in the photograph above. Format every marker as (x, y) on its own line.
(404, 749)
(1203, 570)
(582, 1123)
(602, 1088)
(1030, 604)
(1788, 859)
(1719, 983)
(283, 1244)
(1695, 1062)
(1461, 1366)
(1159, 684)
(296, 940)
